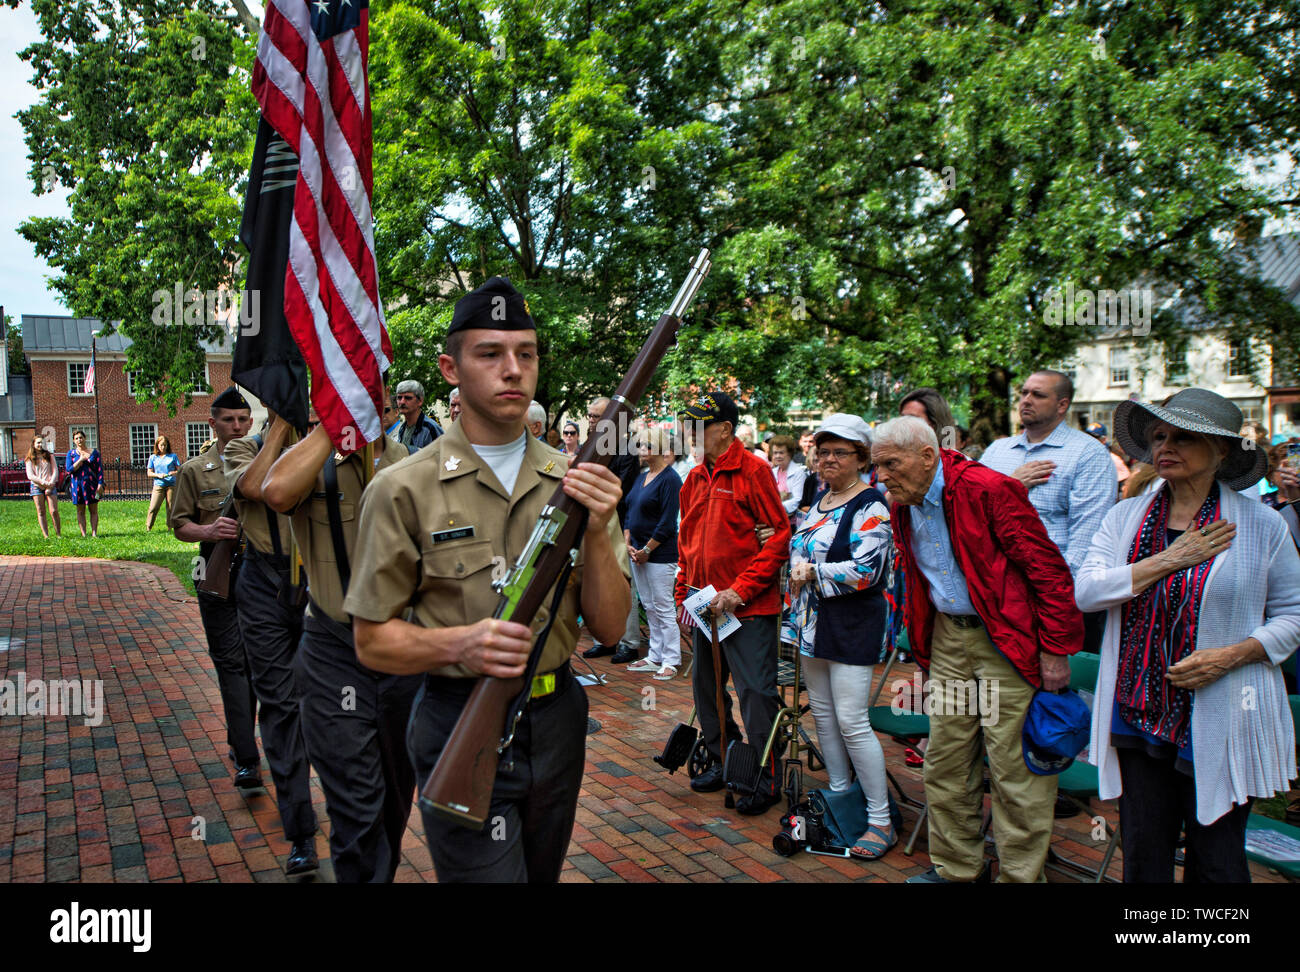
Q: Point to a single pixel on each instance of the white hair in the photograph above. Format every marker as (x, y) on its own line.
(455, 394)
(905, 432)
(536, 413)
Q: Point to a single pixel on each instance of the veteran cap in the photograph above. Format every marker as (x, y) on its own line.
(715, 406)
(496, 306)
(231, 398)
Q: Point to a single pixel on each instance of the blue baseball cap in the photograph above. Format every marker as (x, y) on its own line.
(1056, 729)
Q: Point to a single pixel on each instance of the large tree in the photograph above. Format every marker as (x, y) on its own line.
(913, 179)
(570, 146)
(146, 118)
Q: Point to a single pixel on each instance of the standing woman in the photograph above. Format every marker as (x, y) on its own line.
(86, 484)
(1202, 592)
(43, 474)
(839, 564)
(789, 475)
(651, 536)
(570, 436)
(162, 470)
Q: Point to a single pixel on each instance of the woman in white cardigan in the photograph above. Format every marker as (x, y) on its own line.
(1202, 592)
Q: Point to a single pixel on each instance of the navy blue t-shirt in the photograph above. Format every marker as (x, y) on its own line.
(652, 514)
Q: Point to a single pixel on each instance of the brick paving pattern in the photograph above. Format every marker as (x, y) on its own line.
(123, 800)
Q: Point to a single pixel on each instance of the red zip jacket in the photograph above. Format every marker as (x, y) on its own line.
(1018, 581)
(716, 542)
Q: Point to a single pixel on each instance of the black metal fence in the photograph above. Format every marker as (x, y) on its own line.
(122, 480)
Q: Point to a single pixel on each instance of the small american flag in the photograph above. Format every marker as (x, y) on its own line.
(88, 387)
(312, 84)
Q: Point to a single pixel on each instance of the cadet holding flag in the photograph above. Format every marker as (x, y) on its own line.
(353, 719)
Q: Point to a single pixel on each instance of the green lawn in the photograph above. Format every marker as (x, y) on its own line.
(122, 536)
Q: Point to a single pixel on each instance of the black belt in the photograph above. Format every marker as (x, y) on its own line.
(546, 686)
(964, 620)
(341, 631)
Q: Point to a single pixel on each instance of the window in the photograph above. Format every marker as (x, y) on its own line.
(77, 378)
(92, 439)
(142, 439)
(196, 433)
(1252, 410)
(1238, 359)
(200, 381)
(1176, 366)
(1119, 366)
(130, 383)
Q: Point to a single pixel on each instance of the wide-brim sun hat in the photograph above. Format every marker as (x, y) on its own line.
(1194, 410)
(844, 426)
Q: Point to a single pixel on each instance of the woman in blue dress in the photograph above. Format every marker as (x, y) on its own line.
(85, 482)
(162, 470)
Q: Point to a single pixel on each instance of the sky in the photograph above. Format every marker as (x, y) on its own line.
(23, 289)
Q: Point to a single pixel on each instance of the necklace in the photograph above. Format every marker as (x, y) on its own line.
(837, 492)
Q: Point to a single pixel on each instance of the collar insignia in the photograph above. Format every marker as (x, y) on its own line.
(452, 463)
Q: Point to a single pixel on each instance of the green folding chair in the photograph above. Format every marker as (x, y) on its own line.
(1258, 824)
(1080, 783)
(903, 727)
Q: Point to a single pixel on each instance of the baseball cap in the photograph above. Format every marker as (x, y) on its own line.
(714, 406)
(1056, 729)
(845, 426)
(1096, 429)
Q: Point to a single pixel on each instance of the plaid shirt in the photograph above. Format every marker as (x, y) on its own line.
(1080, 492)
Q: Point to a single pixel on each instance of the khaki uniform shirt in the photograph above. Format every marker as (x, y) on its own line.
(200, 490)
(437, 529)
(239, 456)
(311, 526)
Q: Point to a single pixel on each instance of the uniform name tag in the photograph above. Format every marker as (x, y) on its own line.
(460, 533)
(208, 492)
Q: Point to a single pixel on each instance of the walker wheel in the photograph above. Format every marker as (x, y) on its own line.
(701, 759)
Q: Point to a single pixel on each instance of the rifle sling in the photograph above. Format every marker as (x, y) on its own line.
(271, 525)
(521, 702)
(336, 523)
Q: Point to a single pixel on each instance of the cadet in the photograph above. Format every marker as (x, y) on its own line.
(353, 719)
(195, 515)
(270, 617)
(433, 531)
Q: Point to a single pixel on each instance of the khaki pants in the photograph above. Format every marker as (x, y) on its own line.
(954, 769)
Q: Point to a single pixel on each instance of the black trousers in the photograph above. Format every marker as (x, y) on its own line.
(226, 646)
(271, 634)
(530, 821)
(1157, 804)
(749, 659)
(1094, 626)
(354, 725)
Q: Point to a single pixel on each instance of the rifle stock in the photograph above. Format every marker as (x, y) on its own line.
(221, 560)
(460, 786)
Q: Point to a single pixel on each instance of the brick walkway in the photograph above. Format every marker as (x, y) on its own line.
(122, 801)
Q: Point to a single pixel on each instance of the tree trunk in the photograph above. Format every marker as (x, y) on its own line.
(990, 414)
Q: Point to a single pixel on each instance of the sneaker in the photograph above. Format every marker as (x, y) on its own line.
(665, 674)
(643, 665)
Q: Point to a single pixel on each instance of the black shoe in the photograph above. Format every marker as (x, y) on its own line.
(302, 858)
(932, 877)
(1065, 807)
(599, 651)
(751, 805)
(708, 781)
(248, 777)
(625, 655)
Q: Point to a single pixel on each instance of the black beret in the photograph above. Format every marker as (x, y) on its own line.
(496, 306)
(230, 398)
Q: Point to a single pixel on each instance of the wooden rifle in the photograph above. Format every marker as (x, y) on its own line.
(460, 786)
(220, 561)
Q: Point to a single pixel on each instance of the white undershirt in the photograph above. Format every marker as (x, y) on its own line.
(504, 460)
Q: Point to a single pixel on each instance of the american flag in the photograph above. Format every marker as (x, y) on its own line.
(88, 387)
(312, 84)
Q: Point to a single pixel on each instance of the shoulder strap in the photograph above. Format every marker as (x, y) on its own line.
(271, 525)
(336, 522)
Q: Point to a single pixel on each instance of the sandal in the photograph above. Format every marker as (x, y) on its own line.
(912, 758)
(643, 665)
(874, 844)
(665, 674)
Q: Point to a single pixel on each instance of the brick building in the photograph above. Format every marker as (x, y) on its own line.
(58, 351)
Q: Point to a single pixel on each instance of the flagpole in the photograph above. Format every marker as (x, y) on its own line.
(94, 386)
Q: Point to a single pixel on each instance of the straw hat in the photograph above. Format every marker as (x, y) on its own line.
(1196, 410)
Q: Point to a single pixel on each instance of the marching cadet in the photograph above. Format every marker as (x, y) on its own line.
(270, 617)
(195, 516)
(353, 719)
(433, 531)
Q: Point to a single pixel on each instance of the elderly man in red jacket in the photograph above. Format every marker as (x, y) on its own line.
(723, 500)
(991, 616)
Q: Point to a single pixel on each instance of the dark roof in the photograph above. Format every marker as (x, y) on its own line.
(16, 407)
(73, 334)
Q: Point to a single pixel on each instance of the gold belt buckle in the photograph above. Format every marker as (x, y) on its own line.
(543, 685)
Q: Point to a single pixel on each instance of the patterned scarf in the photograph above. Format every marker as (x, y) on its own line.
(1159, 628)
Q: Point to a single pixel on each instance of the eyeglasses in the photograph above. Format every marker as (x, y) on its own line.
(837, 454)
(406, 398)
